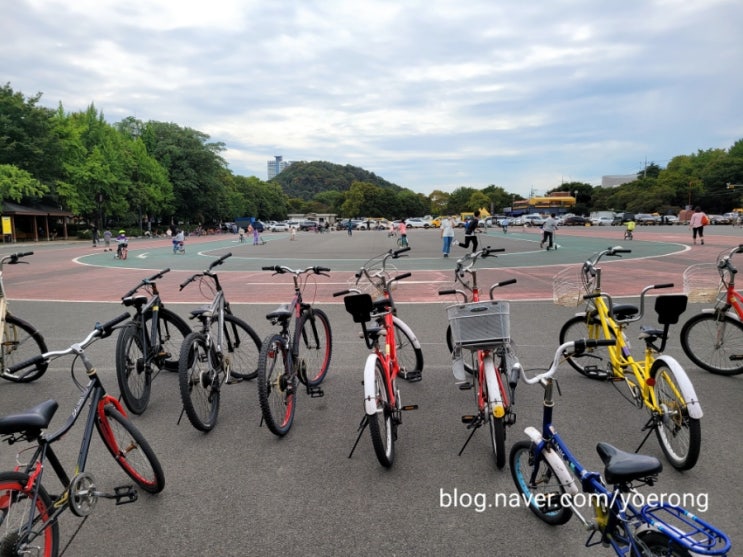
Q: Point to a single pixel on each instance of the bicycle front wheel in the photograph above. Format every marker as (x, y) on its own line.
(242, 346)
(199, 382)
(277, 386)
(680, 435)
(593, 362)
(130, 450)
(543, 494)
(313, 342)
(131, 373)
(21, 342)
(381, 423)
(409, 357)
(16, 502)
(714, 342)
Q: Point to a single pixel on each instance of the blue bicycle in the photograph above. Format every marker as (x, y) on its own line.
(552, 482)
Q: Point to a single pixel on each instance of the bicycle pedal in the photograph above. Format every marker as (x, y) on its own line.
(409, 407)
(315, 392)
(466, 386)
(596, 373)
(468, 419)
(124, 494)
(411, 376)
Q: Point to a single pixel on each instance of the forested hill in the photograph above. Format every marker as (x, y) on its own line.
(304, 180)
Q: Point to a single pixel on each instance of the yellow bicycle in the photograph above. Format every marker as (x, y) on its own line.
(657, 382)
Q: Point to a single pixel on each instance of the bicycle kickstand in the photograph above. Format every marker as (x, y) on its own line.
(362, 427)
(473, 423)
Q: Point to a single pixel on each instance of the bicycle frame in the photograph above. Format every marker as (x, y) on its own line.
(617, 522)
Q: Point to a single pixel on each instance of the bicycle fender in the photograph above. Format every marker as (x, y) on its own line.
(494, 394)
(567, 480)
(370, 391)
(730, 313)
(685, 386)
(404, 326)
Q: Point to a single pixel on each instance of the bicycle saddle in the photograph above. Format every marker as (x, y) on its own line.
(621, 466)
(36, 418)
(281, 312)
(136, 301)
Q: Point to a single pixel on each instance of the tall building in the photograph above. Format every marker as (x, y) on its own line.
(276, 166)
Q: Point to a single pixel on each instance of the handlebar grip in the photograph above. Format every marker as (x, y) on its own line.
(106, 327)
(319, 269)
(593, 342)
(402, 276)
(505, 282)
(623, 250)
(161, 273)
(220, 260)
(341, 293)
(187, 282)
(445, 292)
(25, 253)
(400, 251)
(28, 363)
(664, 285)
(740, 249)
(591, 296)
(487, 251)
(274, 268)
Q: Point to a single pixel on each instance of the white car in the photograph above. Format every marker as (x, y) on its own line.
(602, 221)
(279, 227)
(417, 223)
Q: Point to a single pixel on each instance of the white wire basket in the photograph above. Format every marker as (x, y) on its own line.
(567, 287)
(480, 324)
(702, 282)
(373, 288)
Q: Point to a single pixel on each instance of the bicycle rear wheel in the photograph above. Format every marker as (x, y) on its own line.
(714, 342)
(21, 342)
(660, 544)
(130, 449)
(15, 508)
(242, 346)
(199, 382)
(593, 362)
(313, 341)
(679, 435)
(382, 426)
(277, 386)
(542, 495)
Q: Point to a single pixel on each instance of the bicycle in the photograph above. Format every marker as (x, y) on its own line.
(209, 358)
(122, 250)
(290, 357)
(713, 338)
(657, 382)
(20, 340)
(483, 328)
(29, 514)
(149, 343)
(551, 480)
(382, 405)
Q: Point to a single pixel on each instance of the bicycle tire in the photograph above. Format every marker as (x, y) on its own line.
(199, 382)
(134, 381)
(242, 346)
(521, 461)
(710, 339)
(592, 359)
(21, 342)
(172, 331)
(679, 435)
(277, 386)
(497, 427)
(130, 449)
(661, 544)
(14, 513)
(468, 367)
(313, 343)
(381, 424)
(409, 358)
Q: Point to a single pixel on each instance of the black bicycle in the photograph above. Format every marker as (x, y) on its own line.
(224, 350)
(29, 515)
(150, 343)
(289, 357)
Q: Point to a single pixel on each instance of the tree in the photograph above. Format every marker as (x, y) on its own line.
(16, 184)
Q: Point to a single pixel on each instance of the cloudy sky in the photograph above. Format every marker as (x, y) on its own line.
(428, 94)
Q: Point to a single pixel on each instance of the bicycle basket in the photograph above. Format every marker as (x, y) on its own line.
(374, 288)
(702, 282)
(479, 324)
(567, 288)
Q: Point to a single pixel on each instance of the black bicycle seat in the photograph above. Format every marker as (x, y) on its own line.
(621, 466)
(36, 418)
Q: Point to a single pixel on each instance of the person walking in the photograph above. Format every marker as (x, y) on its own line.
(403, 228)
(350, 227)
(95, 236)
(107, 240)
(697, 222)
(548, 231)
(447, 235)
(470, 231)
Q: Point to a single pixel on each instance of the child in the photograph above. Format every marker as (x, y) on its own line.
(630, 229)
(123, 242)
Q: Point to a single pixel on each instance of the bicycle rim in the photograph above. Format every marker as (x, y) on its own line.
(314, 345)
(714, 342)
(199, 382)
(381, 423)
(21, 342)
(131, 373)
(16, 504)
(242, 347)
(409, 357)
(277, 386)
(130, 449)
(172, 330)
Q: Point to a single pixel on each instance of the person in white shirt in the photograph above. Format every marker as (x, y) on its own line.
(447, 235)
(548, 231)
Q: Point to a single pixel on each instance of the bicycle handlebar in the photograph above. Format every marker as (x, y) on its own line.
(99, 331)
(13, 258)
(281, 269)
(219, 261)
(146, 281)
(572, 348)
(207, 272)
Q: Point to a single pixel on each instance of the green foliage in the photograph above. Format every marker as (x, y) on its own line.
(15, 184)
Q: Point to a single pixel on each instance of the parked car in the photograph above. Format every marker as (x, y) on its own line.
(576, 221)
(646, 219)
(602, 221)
(279, 227)
(308, 225)
(532, 220)
(719, 219)
(417, 223)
